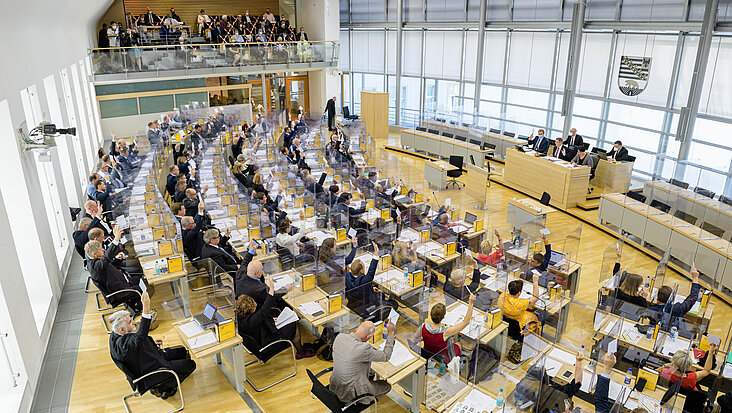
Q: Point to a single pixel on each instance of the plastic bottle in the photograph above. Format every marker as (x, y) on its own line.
(584, 351)
(648, 282)
(499, 399)
(649, 332)
(673, 332)
(406, 273)
(628, 377)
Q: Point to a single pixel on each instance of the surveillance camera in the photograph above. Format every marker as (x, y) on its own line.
(50, 129)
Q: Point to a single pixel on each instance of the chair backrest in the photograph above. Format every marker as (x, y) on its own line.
(680, 184)
(433, 131)
(705, 192)
(324, 394)
(723, 199)
(490, 145)
(421, 129)
(637, 196)
(509, 134)
(466, 125)
(545, 198)
(456, 160)
(251, 344)
(285, 257)
(496, 131)
(660, 205)
(447, 135)
(461, 138)
(346, 112)
(103, 290)
(474, 142)
(631, 158)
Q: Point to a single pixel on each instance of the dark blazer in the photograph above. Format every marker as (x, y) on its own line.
(330, 108)
(621, 156)
(566, 156)
(80, 240)
(220, 257)
(170, 184)
(463, 293)
(191, 206)
(97, 223)
(577, 140)
(260, 325)
(110, 277)
(193, 238)
(539, 144)
(359, 291)
(138, 354)
(251, 287)
(104, 198)
(602, 389)
(680, 309)
(300, 36)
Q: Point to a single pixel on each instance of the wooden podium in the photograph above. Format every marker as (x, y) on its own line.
(375, 113)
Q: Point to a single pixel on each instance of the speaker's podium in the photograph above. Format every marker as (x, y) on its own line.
(375, 113)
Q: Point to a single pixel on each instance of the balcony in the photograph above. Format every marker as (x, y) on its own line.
(146, 62)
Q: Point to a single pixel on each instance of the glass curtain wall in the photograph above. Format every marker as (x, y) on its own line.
(524, 71)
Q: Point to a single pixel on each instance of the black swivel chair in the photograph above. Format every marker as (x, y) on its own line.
(637, 196)
(460, 138)
(545, 198)
(421, 129)
(496, 131)
(660, 205)
(332, 402)
(347, 114)
(680, 184)
(723, 199)
(113, 301)
(433, 131)
(475, 142)
(705, 192)
(151, 381)
(263, 354)
(447, 135)
(456, 161)
(631, 158)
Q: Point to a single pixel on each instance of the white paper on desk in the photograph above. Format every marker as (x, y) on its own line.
(615, 389)
(352, 232)
(479, 401)
(121, 222)
(191, 328)
(143, 287)
(148, 265)
(649, 404)
(587, 381)
(205, 339)
(631, 335)
(399, 355)
(727, 371)
(671, 346)
(393, 316)
(552, 366)
(310, 308)
(286, 317)
(282, 281)
(613, 346)
(563, 356)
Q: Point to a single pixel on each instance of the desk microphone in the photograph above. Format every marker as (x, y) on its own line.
(437, 200)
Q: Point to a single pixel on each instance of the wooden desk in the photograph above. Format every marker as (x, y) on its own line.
(395, 374)
(654, 228)
(502, 142)
(443, 147)
(528, 215)
(178, 280)
(232, 349)
(435, 173)
(533, 175)
(702, 208)
(612, 177)
(294, 298)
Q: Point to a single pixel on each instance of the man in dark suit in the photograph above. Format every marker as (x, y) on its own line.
(151, 19)
(172, 180)
(103, 195)
(137, 354)
(573, 139)
(152, 134)
(330, 108)
(94, 212)
(540, 143)
(81, 236)
(301, 35)
(618, 153)
(131, 266)
(191, 202)
(109, 277)
(211, 249)
(561, 150)
(250, 280)
(193, 233)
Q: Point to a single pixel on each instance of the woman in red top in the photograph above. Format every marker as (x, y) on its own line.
(485, 256)
(682, 366)
(437, 337)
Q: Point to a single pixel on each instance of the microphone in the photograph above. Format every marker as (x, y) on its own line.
(436, 200)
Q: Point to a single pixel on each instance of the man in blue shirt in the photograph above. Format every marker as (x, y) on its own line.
(540, 143)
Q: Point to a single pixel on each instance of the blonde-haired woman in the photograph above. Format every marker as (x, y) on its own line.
(682, 368)
(403, 254)
(631, 290)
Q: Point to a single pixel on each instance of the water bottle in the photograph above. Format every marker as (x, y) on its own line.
(674, 331)
(499, 399)
(297, 279)
(649, 332)
(628, 377)
(406, 274)
(584, 351)
(384, 333)
(648, 282)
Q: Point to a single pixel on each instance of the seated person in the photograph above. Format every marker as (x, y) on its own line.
(192, 233)
(291, 242)
(327, 256)
(133, 349)
(313, 186)
(211, 249)
(191, 200)
(258, 323)
(121, 260)
(180, 191)
(540, 143)
(677, 309)
(486, 256)
(352, 357)
(456, 287)
(403, 255)
(81, 236)
(437, 337)
(631, 290)
(178, 210)
(583, 158)
(561, 150)
(250, 280)
(344, 205)
(682, 368)
(111, 278)
(552, 394)
(360, 293)
(171, 180)
(539, 261)
(517, 308)
(618, 152)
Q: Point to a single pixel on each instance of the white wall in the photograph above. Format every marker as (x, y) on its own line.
(321, 19)
(54, 40)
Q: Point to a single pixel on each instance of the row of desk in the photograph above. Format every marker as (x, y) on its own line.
(501, 142)
(444, 147)
(686, 243)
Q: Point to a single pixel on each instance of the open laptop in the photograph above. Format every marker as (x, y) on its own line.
(555, 258)
(208, 316)
(470, 218)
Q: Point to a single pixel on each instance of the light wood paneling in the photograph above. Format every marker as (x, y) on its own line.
(375, 113)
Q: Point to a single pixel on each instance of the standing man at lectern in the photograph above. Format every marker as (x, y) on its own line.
(330, 108)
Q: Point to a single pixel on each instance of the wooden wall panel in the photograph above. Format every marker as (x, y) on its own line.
(189, 9)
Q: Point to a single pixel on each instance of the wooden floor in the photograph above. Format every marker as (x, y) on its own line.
(99, 386)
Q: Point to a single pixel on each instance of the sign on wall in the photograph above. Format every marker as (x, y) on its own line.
(633, 74)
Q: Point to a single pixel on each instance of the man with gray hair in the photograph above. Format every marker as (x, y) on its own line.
(352, 357)
(250, 278)
(108, 277)
(137, 354)
(211, 249)
(81, 236)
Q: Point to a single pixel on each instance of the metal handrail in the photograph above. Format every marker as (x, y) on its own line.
(295, 43)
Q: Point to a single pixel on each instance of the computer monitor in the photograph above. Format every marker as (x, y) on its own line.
(470, 218)
(555, 257)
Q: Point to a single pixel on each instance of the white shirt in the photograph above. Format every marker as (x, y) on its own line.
(114, 40)
(271, 18)
(290, 242)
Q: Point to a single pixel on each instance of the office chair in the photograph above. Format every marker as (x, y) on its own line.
(447, 135)
(347, 114)
(487, 145)
(496, 131)
(509, 134)
(631, 158)
(461, 138)
(139, 387)
(686, 217)
(112, 301)
(421, 129)
(660, 205)
(433, 131)
(680, 184)
(265, 353)
(723, 199)
(456, 161)
(705, 192)
(332, 402)
(545, 198)
(712, 229)
(474, 142)
(637, 196)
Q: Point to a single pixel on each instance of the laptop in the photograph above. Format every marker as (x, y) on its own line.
(555, 258)
(470, 218)
(208, 316)
(602, 154)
